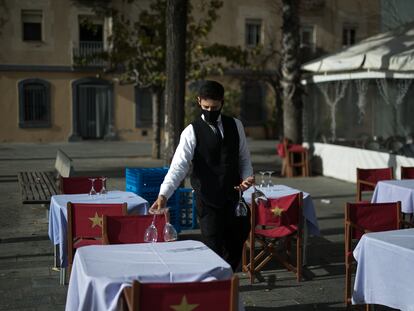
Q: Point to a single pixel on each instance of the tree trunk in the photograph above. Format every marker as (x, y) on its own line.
(156, 133)
(292, 102)
(176, 22)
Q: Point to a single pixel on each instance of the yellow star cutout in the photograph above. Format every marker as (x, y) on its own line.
(277, 211)
(184, 306)
(96, 220)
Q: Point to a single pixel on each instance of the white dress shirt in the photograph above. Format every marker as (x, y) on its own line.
(184, 154)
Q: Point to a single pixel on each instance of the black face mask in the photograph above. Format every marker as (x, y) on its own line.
(211, 116)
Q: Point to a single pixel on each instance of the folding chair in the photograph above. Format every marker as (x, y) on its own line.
(130, 229)
(363, 217)
(85, 224)
(407, 172)
(77, 185)
(274, 224)
(368, 178)
(200, 296)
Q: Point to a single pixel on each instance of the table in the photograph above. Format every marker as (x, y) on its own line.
(100, 272)
(277, 191)
(58, 213)
(385, 270)
(396, 190)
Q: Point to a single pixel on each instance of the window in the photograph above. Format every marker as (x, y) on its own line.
(34, 103)
(253, 32)
(252, 109)
(348, 35)
(143, 111)
(307, 37)
(32, 25)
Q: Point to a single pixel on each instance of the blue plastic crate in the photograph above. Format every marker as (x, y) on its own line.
(184, 202)
(139, 180)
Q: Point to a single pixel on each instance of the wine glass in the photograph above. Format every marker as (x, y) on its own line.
(241, 208)
(103, 191)
(92, 191)
(262, 182)
(269, 181)
(151, 233)
(170, 234)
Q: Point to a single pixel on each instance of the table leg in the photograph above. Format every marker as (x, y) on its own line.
(62, 278)
(56, 258)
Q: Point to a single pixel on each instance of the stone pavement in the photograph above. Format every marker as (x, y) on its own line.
(28, 283)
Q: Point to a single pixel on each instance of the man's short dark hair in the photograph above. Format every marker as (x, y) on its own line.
(210, 89)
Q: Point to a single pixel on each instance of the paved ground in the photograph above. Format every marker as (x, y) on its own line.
(28, 283)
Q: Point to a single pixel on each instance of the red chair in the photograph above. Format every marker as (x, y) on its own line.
(293, 156)
(368, 178)
(200, 296)
(130, 229)
(365, 217)
(85, 224)
(77, 185)
(275, 222)
(407, 172)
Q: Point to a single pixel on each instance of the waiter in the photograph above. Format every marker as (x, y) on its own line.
(215, 145)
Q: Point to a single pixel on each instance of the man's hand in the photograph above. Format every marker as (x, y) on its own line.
(159, 205)
(247, 183)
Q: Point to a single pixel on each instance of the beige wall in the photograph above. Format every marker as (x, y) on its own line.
(60, 33)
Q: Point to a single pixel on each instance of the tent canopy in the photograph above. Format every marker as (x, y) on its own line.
(388, 54)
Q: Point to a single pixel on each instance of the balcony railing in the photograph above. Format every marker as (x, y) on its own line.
(89, 53)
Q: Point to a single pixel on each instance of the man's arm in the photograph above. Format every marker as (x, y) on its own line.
(179, 168)
(245, 163)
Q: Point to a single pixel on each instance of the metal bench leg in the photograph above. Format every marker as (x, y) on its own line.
(62, 279)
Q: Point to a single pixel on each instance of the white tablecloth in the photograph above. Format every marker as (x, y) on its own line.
(396, 190)
(58, 213)
(278, 191)
(101, 272)
(385, 270)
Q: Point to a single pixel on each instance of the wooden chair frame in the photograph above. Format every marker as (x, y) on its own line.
(349, 261)
(361, 182)
(289, 163)
(268, 249)
(70, 242)
(131, 295)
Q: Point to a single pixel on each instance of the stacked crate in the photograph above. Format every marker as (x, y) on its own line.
(146, 183)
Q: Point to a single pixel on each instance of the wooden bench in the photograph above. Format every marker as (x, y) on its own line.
(37, 187)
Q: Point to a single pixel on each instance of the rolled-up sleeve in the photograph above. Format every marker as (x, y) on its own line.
(180, 163)
(245, 163)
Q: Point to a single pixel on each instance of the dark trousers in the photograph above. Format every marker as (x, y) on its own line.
(223, 232)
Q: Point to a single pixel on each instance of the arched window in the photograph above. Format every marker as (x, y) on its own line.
(34, 103)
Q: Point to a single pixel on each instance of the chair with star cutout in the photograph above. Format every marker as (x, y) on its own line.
(275, 223)
(367, 179)
(79, 184)
(197, 296)
(85, 224)
(130, 229)
(363, 217)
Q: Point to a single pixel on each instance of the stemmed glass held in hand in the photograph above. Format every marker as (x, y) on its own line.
(170, 234)
(241, 208)
(92, 191)
(151, 233)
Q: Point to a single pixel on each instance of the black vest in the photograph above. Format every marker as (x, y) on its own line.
(216, 163)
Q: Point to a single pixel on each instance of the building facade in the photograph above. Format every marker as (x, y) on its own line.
(48, 94)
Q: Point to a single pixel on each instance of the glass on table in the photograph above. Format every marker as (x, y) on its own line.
(103, 189)
(151, 233)
(92, 191)
(269, 179)
(170, 234)
(262, 181)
